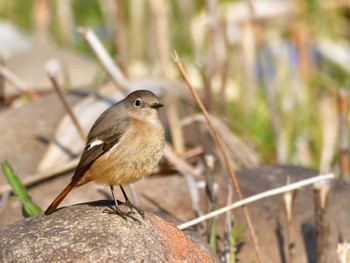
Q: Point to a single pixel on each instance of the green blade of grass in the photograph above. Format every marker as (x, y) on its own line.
(28, 207)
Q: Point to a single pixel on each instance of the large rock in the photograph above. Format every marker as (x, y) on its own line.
(84, 233)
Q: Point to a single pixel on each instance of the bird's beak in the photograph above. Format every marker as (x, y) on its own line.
(157, 105)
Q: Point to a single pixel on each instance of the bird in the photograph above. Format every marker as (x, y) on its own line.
(123, 146)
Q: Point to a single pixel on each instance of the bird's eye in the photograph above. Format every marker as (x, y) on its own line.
(137, 102)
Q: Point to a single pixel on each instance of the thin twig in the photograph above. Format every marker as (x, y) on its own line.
(258, 197)
(105, 59)
(51, 69)
(223, 151)
(192, 152)
(17, 83)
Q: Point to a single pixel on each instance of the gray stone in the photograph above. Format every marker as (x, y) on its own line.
(84, 233)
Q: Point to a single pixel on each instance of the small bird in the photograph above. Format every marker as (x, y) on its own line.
(124, 145)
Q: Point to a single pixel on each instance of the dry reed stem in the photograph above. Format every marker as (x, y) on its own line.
(289, 203)
(322, 222)
(223, 151)
(193, 152)
(105, 59)
(137, 26)
(51, 70)
(343, 132)
(120, 34)
(174, 123)
(17, 83)
(41, 21)
(65, 20)
(160, 34)
(254, 198)
(211, 66)
(228, 251)
(329, 129)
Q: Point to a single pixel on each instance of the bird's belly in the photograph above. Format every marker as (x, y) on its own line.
(123, 166)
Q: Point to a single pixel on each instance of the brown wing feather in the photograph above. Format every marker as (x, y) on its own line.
(109, 137)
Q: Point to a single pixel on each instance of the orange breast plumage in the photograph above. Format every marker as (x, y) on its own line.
(131, 159)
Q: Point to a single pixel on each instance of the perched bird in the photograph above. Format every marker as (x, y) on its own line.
(124, 145)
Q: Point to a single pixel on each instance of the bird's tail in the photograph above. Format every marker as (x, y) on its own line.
(59, 199)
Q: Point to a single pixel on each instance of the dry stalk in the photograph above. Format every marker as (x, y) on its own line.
(174, 123)
(137, 26)
(343, 132)
(289, 202)
(120, 34)
(105, 59)
(16, 82)
(223, 151)
(41, 20)
(211, 66)
(229, 249)
(193, 152)
(51, 69)
(160, 34)
(322, 222)
(65, 20)
(258, 197)
(329, 126)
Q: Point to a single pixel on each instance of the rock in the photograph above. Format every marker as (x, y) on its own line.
(84, 233)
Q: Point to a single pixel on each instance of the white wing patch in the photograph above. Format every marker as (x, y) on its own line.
(93, 144)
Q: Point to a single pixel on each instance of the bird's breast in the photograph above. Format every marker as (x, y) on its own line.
(132, 158)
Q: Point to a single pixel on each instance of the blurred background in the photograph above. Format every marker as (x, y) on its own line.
(274, 74)
(273, 68)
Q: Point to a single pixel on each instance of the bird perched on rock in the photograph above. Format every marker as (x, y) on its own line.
(124, 145)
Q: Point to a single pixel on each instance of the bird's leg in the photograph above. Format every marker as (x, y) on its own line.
(131, 205)
(118, 211)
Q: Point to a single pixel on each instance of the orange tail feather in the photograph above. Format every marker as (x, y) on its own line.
(59, 199)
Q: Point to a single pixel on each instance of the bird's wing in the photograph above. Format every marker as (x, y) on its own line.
(97, 145)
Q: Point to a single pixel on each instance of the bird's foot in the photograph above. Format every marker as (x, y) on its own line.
(121, 213)
(138, 210)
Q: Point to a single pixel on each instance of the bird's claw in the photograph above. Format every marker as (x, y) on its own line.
(122, 214)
